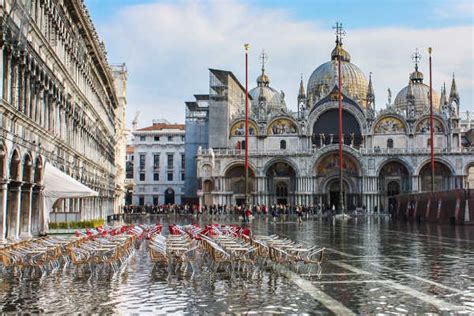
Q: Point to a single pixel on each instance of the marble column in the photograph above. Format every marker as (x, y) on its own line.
(36, 210)
(25, 210)
(13, 210)
(3, 209)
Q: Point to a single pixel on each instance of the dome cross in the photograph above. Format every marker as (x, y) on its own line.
(263, 60)
(416, 57)
(340, 32)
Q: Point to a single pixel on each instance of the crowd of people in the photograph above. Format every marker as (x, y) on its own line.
(273, 211)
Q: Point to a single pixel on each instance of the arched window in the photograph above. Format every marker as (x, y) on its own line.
(283, 144)
(389, 143)
(428, 142)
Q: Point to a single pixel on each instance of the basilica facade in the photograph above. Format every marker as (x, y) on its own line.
(61, 104)
(294, 157)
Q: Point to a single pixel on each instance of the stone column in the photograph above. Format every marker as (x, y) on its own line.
(14, 83)
(13, 204)
(3, 209)
(36, 210)
(25, 210)
(2, 70)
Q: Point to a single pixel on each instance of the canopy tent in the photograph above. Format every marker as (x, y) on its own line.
(58, 185)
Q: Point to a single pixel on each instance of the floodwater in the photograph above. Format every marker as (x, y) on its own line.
(372, 265)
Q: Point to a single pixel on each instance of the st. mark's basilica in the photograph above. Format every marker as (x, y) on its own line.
(293, 156)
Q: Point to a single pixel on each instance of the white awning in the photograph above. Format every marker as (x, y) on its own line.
(58, 185)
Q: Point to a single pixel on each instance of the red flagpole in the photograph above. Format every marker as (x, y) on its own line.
(341, 138)
(432, 128)
(246, 123)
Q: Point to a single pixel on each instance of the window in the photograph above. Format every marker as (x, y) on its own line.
(283, 144)
(142, 161)
(133, 157)
(141, 200)
(170, 161)
(156, 161)
(389, 143)
(182, 176)
(155, 200)
(156, 138)
(170, 176)
(142, 138)
(142, 177)
(182, 138)
(156, 176)
(170, 138)
(183, 162)
(429, 143)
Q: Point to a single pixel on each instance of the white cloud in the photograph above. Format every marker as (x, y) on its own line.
(169, 46)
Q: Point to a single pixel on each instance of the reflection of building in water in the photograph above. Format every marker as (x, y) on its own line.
(294, 155)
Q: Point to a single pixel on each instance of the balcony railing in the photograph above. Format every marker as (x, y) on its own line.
(369, 151)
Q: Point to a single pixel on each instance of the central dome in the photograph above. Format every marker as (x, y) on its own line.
(324, 78)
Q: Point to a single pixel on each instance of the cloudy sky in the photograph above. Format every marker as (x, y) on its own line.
(168, 46)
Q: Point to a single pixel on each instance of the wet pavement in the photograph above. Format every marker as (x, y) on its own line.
(371, 265)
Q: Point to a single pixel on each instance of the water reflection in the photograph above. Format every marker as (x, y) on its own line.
(372, 266)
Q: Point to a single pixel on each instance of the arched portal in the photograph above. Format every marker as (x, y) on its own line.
(169, 196)
(326, 172)
(333, 189)
(326, 129)
(394, 178)
(281, 183)
(235, 182)
(442, 179)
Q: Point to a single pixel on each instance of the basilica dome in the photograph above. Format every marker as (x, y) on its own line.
(420, 95)
(265, 99)
(324, 78)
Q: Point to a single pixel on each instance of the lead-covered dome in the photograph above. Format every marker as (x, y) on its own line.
(324, 78)
(265, 99)
(420, 94)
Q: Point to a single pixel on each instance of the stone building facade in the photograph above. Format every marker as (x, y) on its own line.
(294, 155)
(58, 106)
(159, 164)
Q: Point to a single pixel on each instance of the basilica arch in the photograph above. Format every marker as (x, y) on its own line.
(234, 182)
(326, 173)
(323, 124)
(394, 178)
(443, 176)
(280, 177)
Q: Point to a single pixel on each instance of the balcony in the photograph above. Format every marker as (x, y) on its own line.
(311, 151)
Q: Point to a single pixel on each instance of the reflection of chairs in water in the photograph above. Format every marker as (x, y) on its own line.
(230, 252)
(174, 250)
(289, 253)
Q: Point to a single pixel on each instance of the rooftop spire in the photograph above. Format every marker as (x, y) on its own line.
(370, 90)
(301, 93)
(442, 99)
(454, 91)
